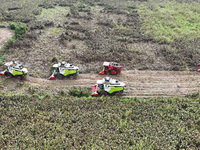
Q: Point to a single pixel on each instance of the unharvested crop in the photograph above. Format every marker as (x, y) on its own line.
(60, 121)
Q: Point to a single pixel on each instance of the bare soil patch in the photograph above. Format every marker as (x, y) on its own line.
(4, 35)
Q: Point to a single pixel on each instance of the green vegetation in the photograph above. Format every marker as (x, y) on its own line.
(2, 58)
(170, 20)
(2, 26)
(80, 92)
(58, 122)
(57, 14)
(5, 48)
(20, 29)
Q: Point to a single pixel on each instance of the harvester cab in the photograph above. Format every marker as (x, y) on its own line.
(14, 69)
(64, 69)
(112, 68)
(108, 86)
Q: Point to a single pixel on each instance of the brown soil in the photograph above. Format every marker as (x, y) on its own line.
(4, 35)
(139, 83)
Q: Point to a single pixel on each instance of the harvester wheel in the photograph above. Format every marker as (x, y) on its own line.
(104, 93)
(6, 73)
(19, 77)
(71, 77)
(59, 76)
(118, 94)
(9, 75)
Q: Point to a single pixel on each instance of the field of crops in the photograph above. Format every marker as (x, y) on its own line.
(145, 35)
(65, 122)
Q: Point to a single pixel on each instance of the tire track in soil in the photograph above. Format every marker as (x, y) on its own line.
(139, 83)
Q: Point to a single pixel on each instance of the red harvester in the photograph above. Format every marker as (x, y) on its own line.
(112, 68)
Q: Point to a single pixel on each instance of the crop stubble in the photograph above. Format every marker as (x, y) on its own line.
(139, 83)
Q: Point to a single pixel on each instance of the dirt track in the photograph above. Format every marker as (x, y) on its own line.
(139, 83)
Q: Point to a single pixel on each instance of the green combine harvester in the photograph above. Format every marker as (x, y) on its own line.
(14, 69)
(64, 69)
(108, 86)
